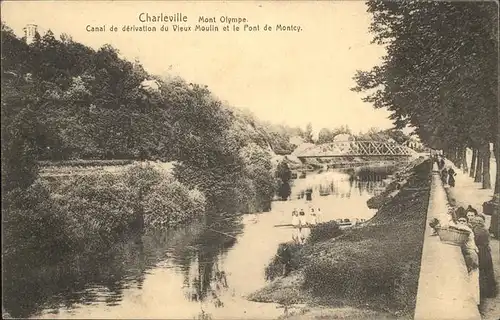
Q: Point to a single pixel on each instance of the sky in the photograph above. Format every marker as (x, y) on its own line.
(291, 77)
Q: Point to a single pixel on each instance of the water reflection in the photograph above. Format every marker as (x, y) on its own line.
(102, 277)
(186, 267)
(342, 194)
(340, 185)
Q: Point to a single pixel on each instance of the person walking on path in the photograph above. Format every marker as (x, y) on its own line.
(309, 194)
(444, 176)
(487, 283)
(451, 177)
(441, 164)
(470, 252)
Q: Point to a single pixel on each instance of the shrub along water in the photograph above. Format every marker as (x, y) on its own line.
(86, 213)
(291, 254)
(324, 231)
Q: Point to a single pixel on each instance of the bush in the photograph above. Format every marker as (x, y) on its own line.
(35, 229)
(171, 203)
(102, 208)
(287, 253)
(324, 231)
(99, 207)
(141, 178)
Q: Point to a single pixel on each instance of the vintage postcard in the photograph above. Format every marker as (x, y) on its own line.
(250, 160)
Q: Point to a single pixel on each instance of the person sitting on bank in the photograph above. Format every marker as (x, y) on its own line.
(471, 209)
(470, 253)
(459, 213)
(487, 283)
(470, 216)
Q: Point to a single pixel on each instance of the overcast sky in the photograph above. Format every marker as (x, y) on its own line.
(284, 77)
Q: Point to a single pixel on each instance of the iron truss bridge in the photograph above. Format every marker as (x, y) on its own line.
(356, 149)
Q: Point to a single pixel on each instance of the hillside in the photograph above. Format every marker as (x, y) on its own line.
(88, 104)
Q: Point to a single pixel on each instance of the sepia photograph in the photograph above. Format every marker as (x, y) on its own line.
(294, 160)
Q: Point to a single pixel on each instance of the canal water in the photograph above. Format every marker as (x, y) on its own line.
(191, 271)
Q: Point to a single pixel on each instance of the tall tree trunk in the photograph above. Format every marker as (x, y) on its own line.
(473, 163)
(479, 166)
(463, 155)
(496, 150)
(486, 167)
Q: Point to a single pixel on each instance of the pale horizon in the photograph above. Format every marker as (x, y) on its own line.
(291, 78)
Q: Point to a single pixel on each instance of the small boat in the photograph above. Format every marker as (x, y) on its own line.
(344, 223)
(347, 223)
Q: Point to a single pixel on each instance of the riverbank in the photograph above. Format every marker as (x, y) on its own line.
(367, 272)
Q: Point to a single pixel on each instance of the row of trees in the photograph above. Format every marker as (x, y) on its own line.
(440, 75)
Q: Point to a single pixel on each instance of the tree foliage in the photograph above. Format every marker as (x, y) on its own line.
(440, 73)
(284, 175)
(64, 100)
(326, 135)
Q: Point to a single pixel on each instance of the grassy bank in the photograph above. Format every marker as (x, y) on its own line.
(373, 268)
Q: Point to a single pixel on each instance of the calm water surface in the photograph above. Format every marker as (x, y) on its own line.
(179, 273)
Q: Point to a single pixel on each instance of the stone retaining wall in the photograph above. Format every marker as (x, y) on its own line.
(444, 291)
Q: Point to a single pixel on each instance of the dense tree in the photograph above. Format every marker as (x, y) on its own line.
(67, 101)
(20, 126)
(96, 106)
(308, 135)
(325, 136)
(440, 73)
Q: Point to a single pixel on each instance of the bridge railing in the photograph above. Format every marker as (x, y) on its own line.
(357, 148)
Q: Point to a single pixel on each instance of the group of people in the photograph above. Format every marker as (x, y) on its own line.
(477, 253)
(447, 174)
(302, 221)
